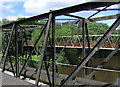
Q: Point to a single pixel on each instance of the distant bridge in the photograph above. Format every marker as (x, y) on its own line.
(76, 42)
(111, 42)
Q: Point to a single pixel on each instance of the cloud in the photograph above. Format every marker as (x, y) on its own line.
(0, 9)
(16, 17)
(11, 17)
(114, 6)
(12, 0)
(99, 16)
(83, 12)
(0, 18)
(8, 8)
(108, 22)
(42, 6)
(105, 0)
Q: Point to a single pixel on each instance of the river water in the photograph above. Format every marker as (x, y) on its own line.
(104, 76)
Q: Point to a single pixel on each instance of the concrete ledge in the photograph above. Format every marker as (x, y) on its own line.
(10, 80)
(59, 77)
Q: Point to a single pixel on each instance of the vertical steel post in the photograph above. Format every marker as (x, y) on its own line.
(89, 48)
(53, 53)
(11, 65)
(43, 49)
(83, 40)
(16, 50)
(87, 36)
(47, 71)
(22, 45)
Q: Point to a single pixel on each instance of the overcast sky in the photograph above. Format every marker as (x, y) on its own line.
(12, 9)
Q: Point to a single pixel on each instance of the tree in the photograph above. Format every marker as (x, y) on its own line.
(97, 28)
(5, 21)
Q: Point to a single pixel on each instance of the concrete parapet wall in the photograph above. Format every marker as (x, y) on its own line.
(31, 73)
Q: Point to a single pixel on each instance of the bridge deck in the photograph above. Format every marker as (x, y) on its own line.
(10, 80)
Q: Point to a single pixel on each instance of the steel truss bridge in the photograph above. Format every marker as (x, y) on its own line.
(109, 44)
(67, 41)
(20, 27)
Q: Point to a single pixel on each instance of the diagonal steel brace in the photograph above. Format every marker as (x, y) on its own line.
(43, 49)
(8, 45)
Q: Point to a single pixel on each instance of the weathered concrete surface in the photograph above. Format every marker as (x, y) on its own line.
(7, 80)
(59, 77)
(10, 80)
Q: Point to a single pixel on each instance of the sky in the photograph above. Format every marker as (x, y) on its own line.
(12, 9)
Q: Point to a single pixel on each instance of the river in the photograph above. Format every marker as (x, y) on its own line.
(101, 75)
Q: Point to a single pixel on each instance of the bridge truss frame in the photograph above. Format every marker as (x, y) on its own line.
(17, 27)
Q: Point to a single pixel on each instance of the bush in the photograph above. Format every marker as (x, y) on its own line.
(62, 58)
(35, 60)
